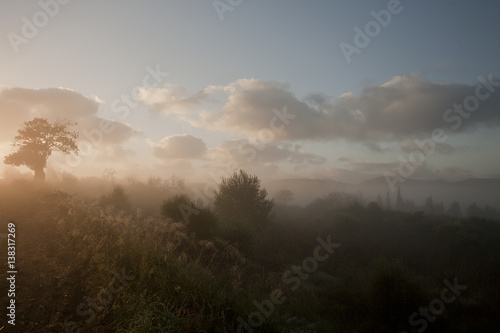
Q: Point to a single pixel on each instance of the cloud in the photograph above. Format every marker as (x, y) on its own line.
(51, 102)
(183, 146)
(13, 114)
(451, 173)
(371, 167)
(171, 99)
(375, 147)
(408, 146)
(456, 173)
(100, 140)
(113, 153)
(402, 107)
(18, 105)
(245, 153)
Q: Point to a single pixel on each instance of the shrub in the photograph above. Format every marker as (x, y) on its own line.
(175, 208)
(240, 197)
(204, 223)
(394, 293)
(198, 219)
(117, 199)
(239, 233)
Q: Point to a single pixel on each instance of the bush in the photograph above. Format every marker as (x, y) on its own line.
(204, 223)
(175, 208)
(394, 293)
(240, 197)
(117, 199)
(239, 233)
(198, 219)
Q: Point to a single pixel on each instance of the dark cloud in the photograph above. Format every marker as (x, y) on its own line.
(374, 147)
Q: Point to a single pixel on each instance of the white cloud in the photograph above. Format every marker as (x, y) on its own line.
(245, 153)
(183, 146)
(18, 105)
(402, 107)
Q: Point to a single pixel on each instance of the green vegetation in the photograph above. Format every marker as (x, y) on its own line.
(202, 274)
(198, 219)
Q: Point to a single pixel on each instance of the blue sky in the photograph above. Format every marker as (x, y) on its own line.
(262, 56)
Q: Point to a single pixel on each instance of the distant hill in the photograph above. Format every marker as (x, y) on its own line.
(305, 189)
(483, 191)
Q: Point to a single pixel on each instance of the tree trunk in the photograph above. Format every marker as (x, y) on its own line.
(39, 174)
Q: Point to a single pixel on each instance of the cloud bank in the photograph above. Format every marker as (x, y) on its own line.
(403, 107)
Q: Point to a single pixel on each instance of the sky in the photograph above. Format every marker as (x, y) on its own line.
(343, 90)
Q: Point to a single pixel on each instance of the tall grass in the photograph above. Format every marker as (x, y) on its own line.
(386, 268)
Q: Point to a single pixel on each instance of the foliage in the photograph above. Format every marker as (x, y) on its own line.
(177, 207)
(240, 197)
(181, 209)
(117, 199)
(334, 201)
(36, 141)
(387, 267)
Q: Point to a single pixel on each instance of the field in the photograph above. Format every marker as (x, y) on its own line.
(115, 264)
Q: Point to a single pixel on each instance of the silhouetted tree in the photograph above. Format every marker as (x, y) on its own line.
(155, 182)
(491, 213)
(36, 141)
(410, 206)
(109, 175)
(438, 209)
(400, 203)
(117, 199)
(373, 209)
(429, 206)
(379, 201)
(178, 208)
(454, 209)
(174, 183)
(241, 197)
(388, 205)
(333, 202)
(198, 219)
(474, 210)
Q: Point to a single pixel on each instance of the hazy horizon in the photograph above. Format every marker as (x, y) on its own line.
(250, 166)
(302, 94)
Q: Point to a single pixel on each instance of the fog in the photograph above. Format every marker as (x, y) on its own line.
(249, 166)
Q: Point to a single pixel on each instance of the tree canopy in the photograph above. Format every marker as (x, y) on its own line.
(240, 196)
(36, 141)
